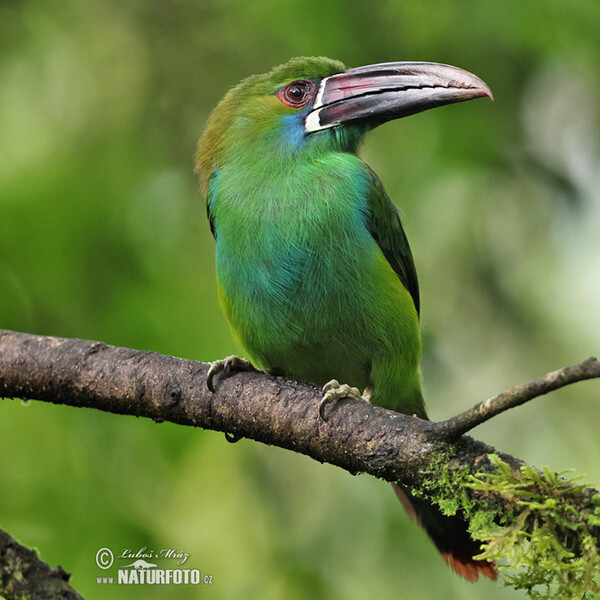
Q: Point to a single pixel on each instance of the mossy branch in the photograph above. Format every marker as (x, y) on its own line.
(551, 542)
(458, 474)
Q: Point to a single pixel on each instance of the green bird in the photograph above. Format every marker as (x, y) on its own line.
(314, 270)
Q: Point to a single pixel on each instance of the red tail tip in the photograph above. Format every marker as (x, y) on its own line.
(470, 570)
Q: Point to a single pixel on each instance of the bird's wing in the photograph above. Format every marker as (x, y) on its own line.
(385, 226)
(211, 219)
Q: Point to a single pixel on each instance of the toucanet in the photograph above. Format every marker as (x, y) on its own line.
(314, 270)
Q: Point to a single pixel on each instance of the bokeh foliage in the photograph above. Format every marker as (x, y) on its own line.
(103, 236)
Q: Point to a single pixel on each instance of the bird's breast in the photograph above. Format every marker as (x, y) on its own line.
(294, 255)
(292, 260)
(298, 229)
(299, 272)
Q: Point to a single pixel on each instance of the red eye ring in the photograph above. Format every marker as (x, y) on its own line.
(297, 94)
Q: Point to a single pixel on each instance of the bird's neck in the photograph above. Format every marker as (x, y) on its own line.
(285, 189)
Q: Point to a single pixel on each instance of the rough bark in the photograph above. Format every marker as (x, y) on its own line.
(356, 436)
(24, 575)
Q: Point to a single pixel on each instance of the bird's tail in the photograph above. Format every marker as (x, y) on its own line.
(450, 536)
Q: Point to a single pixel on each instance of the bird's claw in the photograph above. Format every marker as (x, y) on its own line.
(227, 366)
(333, 391)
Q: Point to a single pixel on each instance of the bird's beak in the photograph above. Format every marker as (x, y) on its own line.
(378, 93)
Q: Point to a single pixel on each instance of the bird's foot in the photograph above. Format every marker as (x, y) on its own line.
(227, 366)
(333, 391)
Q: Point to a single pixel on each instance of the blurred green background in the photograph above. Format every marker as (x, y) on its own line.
(103, 236)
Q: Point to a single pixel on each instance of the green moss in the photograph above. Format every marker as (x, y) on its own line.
(545, 543)
(445, 485)
(537, 526)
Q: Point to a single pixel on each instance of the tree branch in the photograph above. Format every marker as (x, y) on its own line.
(460, 424)
(24, 575)
(429, 458)
(356, 436)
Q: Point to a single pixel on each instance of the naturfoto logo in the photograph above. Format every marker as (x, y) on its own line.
(140, 569)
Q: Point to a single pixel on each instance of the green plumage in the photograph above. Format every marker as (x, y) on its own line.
(314, 270)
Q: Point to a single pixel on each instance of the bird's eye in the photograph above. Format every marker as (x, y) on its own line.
(296, 94)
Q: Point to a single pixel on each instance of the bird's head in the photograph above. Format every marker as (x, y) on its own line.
(315, 103)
